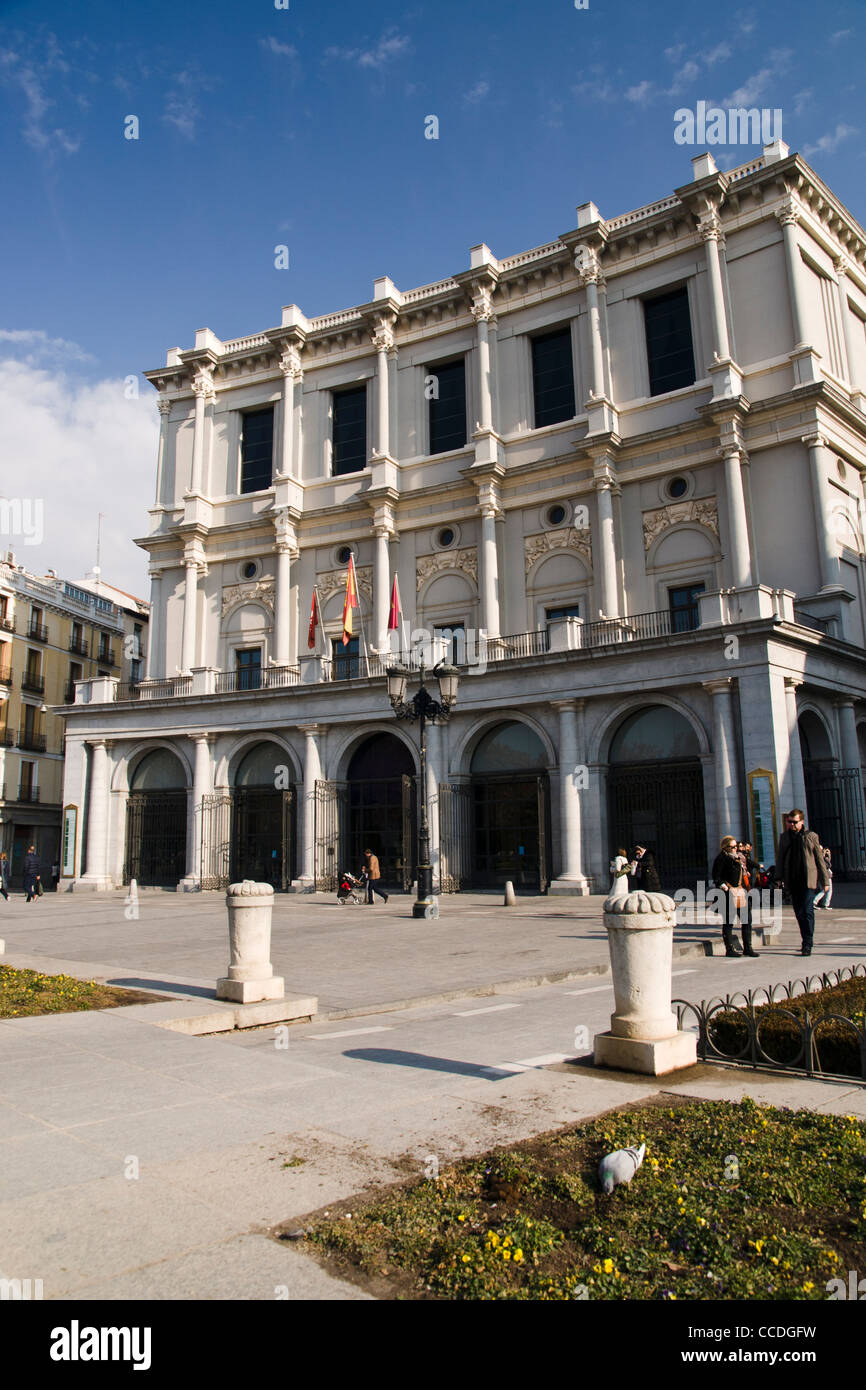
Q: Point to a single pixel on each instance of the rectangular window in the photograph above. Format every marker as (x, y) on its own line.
(27, 781)
(350, 430)
(669, 342)
(447, 406)
(571, 610)
(553, 378)
(248, 664)
(453, 639)
(347, 660)
(103, 605)
(684, 607)
(257, 449)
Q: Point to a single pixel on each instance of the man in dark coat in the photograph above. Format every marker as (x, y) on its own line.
(31, 872)
(801, 867)
(646, 874)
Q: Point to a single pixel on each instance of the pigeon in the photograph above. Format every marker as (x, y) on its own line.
(620, 1167)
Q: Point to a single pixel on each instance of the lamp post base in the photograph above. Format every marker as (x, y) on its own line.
(426, 907)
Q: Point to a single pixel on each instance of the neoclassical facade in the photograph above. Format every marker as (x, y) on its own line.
(619, 478)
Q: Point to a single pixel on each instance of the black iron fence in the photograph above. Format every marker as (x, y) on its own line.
(753, 1028)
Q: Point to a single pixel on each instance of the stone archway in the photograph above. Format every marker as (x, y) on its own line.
(380, 808)
(510, 809)
(156, 821)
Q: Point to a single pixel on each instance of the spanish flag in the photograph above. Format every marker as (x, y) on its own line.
(351, 601)
(396, 607)
(315, 620)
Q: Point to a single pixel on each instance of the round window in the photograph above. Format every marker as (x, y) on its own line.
(841, 469)
(556, 515)
(445, 537)
(677, 487)
(344, 554)
(250, 569)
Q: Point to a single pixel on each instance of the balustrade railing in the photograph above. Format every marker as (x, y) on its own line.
(243, 681)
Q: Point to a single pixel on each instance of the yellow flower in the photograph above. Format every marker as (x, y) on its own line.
(506, 1254)
(808, 1287)
(608, 1266)
(461, 1217)
(518, 1255)
(466, 1259)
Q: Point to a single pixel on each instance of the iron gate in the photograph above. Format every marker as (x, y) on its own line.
(155, 838)
(455, 836)
(248, 833)
(661, 805)
(835, 811)
(331, 833)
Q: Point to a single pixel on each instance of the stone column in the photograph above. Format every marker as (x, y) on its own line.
(287, 550)
(741, 559)
(828, 558)
(290, 366)
(312, 774)
(381, 588)
(202, 786)
(155, 642)
(203, 389)
(96, 876)
(798, 780)
(434, 763)
(573, 782)
(482, 311)
(841, 267)
(729, 805)
(710, 228)
(609, 589)
(592, 286)
(489, 573)
(190, 605)
(383, 339)
(850, 747)
(164, 412)
(805, 359)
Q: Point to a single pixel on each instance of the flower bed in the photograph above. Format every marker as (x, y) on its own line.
(26, 992)
(837, 1046)
(733, 1201)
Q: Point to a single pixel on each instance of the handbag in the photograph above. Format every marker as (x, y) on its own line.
(738, 897)
(39, 889)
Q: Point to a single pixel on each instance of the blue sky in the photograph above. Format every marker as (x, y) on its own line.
(305, 127)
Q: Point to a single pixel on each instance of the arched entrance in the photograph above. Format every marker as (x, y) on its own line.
(156, 812)
(263, 819)
(510, 809)
(827, 790)
(380, 795)
(656, 793)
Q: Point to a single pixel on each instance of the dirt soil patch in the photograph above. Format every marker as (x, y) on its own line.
(733, 1201)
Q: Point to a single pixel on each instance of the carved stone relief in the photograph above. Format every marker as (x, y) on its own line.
(569, 538)
(704, 511)
(258, 590)
(465, 560)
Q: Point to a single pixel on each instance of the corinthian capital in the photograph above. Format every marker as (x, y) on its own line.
(290, 363)
(790, 212)
(588, 266)
(164, 407)
(202, 385)
(710, 226)
(482, 304)
(383, 332)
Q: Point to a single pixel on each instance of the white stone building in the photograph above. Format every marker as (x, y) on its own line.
(632, 457)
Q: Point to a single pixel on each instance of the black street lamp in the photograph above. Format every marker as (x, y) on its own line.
(424, 708)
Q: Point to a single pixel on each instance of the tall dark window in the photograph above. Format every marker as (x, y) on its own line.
(257, 450)
(347, 660)
(248, 664)
(453, 638)
(553, 377)
(448, 406)
(350, 430)
(684, 608)
(669, 342)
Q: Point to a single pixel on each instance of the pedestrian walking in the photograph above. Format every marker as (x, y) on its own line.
(372, 875)
(4, 876)
(646, 874)
(728, 874)
(620, 867)
(31, 873)
(802, 868)
(827, 893)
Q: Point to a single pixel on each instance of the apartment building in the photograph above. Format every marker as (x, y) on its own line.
(618, 477)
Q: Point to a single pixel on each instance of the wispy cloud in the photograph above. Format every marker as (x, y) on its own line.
(802, 100)
(711, 56)
(282, 50)
(389, 46)
(33, 345)
(828, 144)
(181, 104)
(640, 94)
(595, 86)
(477, 94)
(840, 34)
(30, 76)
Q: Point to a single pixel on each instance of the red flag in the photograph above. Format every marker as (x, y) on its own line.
(396, 607)
(350, 602)
(315, 619)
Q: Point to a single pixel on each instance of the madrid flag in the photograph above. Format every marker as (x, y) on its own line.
(315, 620)
(351, 601)
(396, 608)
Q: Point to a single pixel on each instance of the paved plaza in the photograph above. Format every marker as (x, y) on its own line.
(136, 1162)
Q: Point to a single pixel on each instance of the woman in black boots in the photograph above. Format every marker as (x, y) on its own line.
(728, 875)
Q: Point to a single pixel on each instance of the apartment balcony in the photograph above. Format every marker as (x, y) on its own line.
(7, 738)
(78, 646)
(7, 624)
(106, 656)
(6, 676)
(32, 683)
(30, 794)
(31, 742)
(37, 632)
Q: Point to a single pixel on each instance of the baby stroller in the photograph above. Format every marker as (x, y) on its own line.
(349, 888)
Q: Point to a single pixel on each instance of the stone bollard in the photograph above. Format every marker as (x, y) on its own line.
(509, 894)
(251, 976)
(643, 1033)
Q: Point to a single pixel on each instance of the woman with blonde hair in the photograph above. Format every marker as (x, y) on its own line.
(727, 874)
